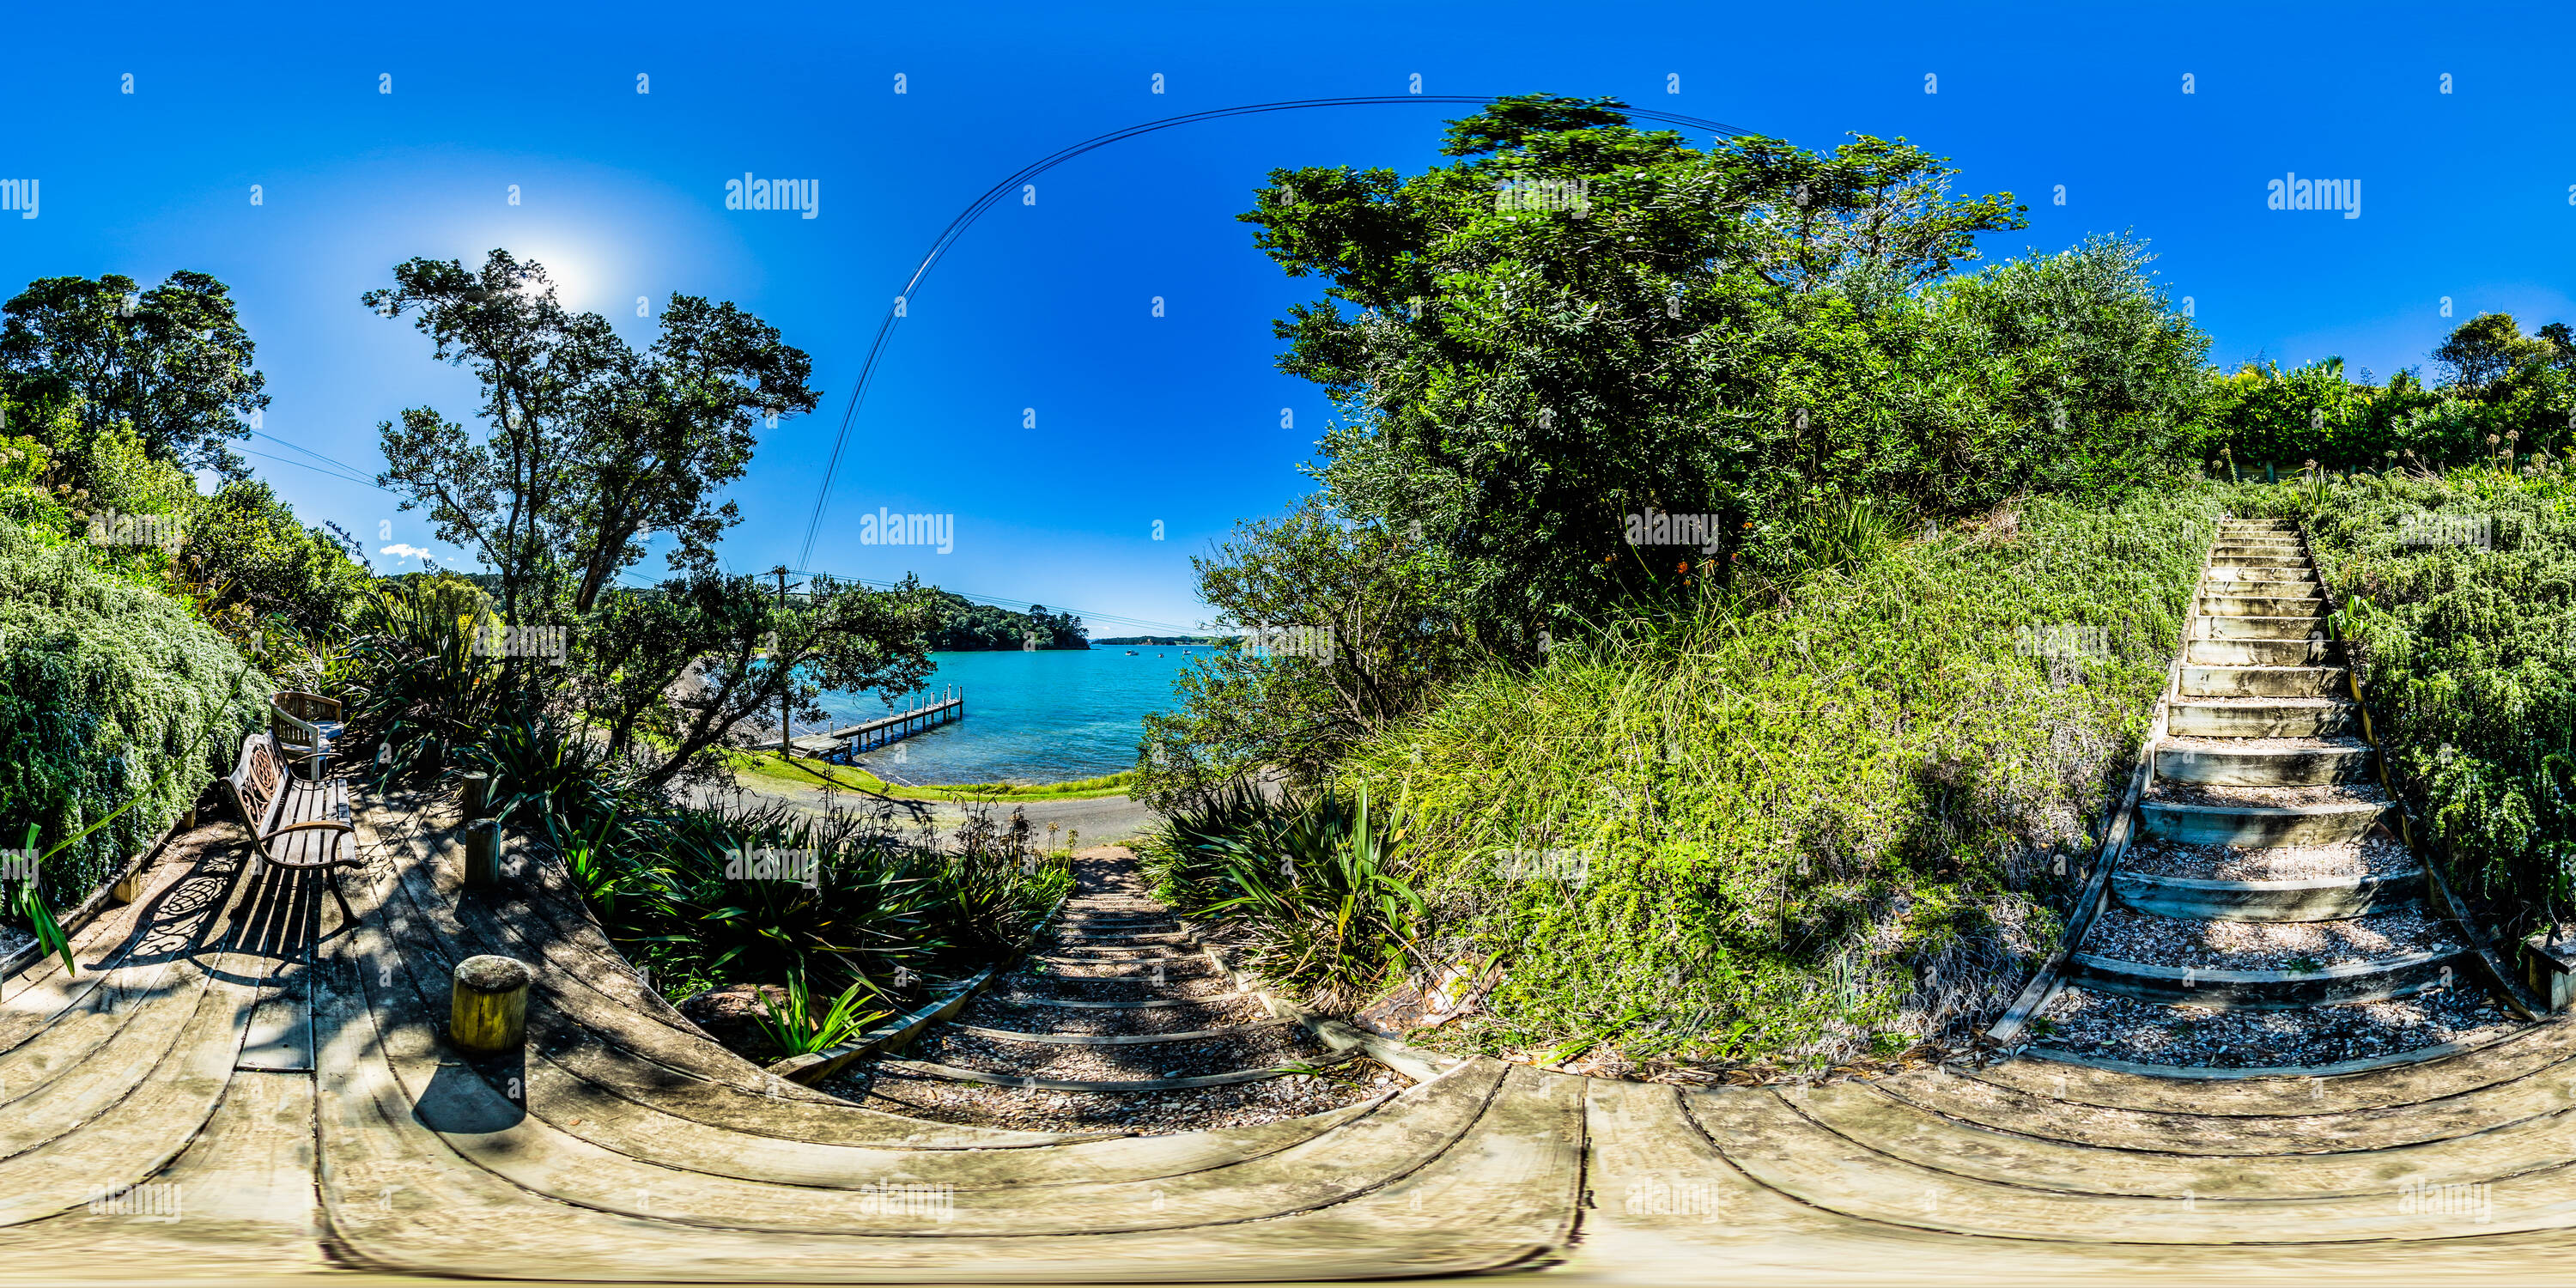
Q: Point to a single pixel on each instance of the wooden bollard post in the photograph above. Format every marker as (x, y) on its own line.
(478, 795)
(483, 853)
(488, 1013)
(130, 887)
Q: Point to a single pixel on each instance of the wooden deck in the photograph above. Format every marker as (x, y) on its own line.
(625, 1145)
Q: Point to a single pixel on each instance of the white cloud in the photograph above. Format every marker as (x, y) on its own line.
(405, 552)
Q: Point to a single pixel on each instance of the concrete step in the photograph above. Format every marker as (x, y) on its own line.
(2262, 605)
(2317, 766)
(2246, 559)
(2264, 825)
(2264, 581)
(2273, 990)
(2263, 682)
(2294, 718)
(2319, 899)
(2234, 652)
(2260, 628)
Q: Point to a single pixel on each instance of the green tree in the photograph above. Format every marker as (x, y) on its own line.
(1581, 321)
(1363, 632)
(174, 361)
(591, 447)
(2487, 348)
(667, 429)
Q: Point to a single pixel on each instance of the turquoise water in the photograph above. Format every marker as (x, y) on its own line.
(1039, 717)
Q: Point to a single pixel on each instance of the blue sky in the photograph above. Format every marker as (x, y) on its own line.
(2465, 195)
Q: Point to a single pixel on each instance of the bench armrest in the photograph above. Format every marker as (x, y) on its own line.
(299, 827)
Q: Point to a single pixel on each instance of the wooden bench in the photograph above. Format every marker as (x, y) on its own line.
(293, 824)
(305, 725)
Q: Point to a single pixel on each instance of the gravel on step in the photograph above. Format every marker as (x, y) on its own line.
(2261, 702)
(2122, 934)
(2373, 855)
(2119, 1028)
(2194, 743)
(1194, 1058)
(1129, 1113)
(992, 1012)
(2169, 792)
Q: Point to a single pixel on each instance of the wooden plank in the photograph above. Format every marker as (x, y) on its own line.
(925, 1069)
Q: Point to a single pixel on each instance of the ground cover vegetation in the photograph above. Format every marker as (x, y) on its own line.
(1793, 776)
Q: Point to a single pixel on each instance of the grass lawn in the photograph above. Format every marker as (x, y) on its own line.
(807, 773)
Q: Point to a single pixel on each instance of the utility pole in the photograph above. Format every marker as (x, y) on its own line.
(777, 646)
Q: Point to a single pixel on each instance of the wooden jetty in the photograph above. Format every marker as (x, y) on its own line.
(840, 745)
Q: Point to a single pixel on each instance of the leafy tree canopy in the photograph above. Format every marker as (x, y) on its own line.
(173, 362)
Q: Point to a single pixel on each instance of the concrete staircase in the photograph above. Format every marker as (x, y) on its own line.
(2269, 876)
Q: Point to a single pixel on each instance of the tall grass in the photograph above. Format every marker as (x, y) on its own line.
(1315, 884)
(1811, 823)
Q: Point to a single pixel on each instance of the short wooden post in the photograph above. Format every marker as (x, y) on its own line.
(478, 795)
(2549, 966)
(483, 853)
(488, 1013)
(130, 887)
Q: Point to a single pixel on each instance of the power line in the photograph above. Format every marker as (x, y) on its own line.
(345, 478)
(992, 196)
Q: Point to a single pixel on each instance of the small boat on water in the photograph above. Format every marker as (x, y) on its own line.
(1131, 652)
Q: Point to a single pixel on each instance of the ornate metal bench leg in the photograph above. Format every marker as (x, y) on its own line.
(331, 876)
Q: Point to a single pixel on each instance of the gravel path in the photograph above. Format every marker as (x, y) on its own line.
(2118, 1028)
(1097, 952)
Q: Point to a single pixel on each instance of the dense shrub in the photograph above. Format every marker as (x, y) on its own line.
(108, 691)
(2460, 598)
(2505, 389)
(248, 548)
